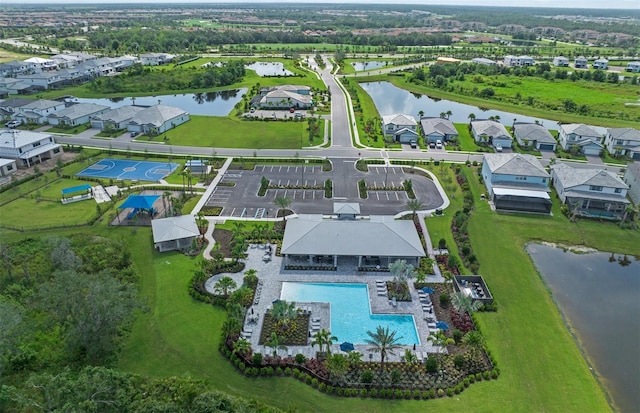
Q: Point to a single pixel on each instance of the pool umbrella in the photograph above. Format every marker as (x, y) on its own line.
(427, 290)
(442, 325)
(346, 346)
(275, 301)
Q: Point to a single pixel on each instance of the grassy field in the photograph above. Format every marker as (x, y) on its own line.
(542, 369)
(229, 132)
(464, 137)
(404, 83)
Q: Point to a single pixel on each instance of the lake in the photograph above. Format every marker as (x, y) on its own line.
(390, 99)
(601, 300)
(269, 69)
(219, 103)
(367, 65)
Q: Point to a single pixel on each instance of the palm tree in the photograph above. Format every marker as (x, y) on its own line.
(284, 312)
(414, 205)
(275, 344)
(464, 303)
(354, 358)
(449, 113)
(409, 357)
(401, 272)
(242, 347)
(439, 339)
(337, 365)
(223, 286)
(384, 342)
(323, 338)
(443, 115)
(448, 277)
(471, 117)
(283, 203)
(475, 340)
(166, 196)
(420, 114)
(202, 223)
(629, 210)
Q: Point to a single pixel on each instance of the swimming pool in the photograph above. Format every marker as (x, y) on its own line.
(351, 316)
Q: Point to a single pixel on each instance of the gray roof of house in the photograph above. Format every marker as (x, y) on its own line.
(346, 208)
(15, 102)
(79, 110)
(437, 125)
(597, 195)
(580, 129)
(571, 177)
(16, 138)
(285, 94)
(489, 128)
(377, 237)
(120, 114)
(532, 132)
(399, 119)
(42, 104)
(627, 134)
(514, 164)
(174, 228)
(634, 169)
(156, 115)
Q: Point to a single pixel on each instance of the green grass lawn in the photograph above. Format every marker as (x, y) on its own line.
(229, 132)
(467, 143)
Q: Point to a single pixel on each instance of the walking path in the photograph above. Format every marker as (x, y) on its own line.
(205, 197)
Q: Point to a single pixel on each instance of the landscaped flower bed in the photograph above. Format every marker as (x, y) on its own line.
(295, 333)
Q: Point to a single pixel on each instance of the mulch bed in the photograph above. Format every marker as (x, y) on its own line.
(223, 239)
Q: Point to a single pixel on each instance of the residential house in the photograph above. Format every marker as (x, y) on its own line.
(632, 179)
(14, 68)
(7, 167)
(157, 119)
(401, 127)
(518, 61)
(437, 129)
(77, 114)
(41, 80)
(64, 60)
(376, 241)
(602, 64)
(580, 62)
(10, 86)
(9, 107)
(633, 67)
(27, 147)
(38, 64)
(115, 119)
(490, 131)
(483, 61)
(174, 233)
(155, 59)
(82, 56)
(623, 141)
(283, 97)
(38, 111)
(584, 137)
(560, 61)
(534, 134)
(590, 192)
(516, 182)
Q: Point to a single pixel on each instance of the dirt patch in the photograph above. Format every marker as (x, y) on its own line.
(45, 166)
(223, 239)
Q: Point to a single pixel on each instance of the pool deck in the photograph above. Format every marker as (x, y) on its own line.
(272, 274)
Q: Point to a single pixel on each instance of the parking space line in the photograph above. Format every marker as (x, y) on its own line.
(232, 212)
(397, 199)
(285, 193)
(304, 194)
(294, 194)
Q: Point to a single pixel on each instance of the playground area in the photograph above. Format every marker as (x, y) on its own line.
(131, 170)
(142, 208)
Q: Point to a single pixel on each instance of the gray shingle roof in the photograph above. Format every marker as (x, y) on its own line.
(16, 138)
(489, 128)
(437, 125)
(314, 235)
(514, 164)
(346, 208)
(399, 119)
(156, 115)
(173, 228)
(571, 177)
(627, 134)
(79, 110)
(120, 114)
(580, 129)
(532, 132)
(41, 104)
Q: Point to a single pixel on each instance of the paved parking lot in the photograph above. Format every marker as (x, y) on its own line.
(242, 200)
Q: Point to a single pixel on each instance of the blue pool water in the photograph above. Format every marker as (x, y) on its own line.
(351, 316)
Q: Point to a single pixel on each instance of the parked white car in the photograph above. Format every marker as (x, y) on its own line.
(12, 124)
(438, 144)
(498, 147)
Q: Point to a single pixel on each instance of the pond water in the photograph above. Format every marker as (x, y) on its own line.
(269, 69)
(367, 65)
(207, 104)
(390, 99)
(601, 300)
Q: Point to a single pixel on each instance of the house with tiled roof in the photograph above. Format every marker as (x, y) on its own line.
(623, 142)
(77, 114)
(491, 132)
(284, 97)
(534, 135)
(586, 138)
(157, 119)
(38, 111)
(27, 147)
(516, 182)
(590, 191)
(115, 119)
(437, 129)
(402, 128)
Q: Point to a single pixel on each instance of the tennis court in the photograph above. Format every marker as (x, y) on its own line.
(126, 169)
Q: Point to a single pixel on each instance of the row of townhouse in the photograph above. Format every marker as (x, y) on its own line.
(20, 77)
(519, 182)
(139, 119)
(581, 62)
